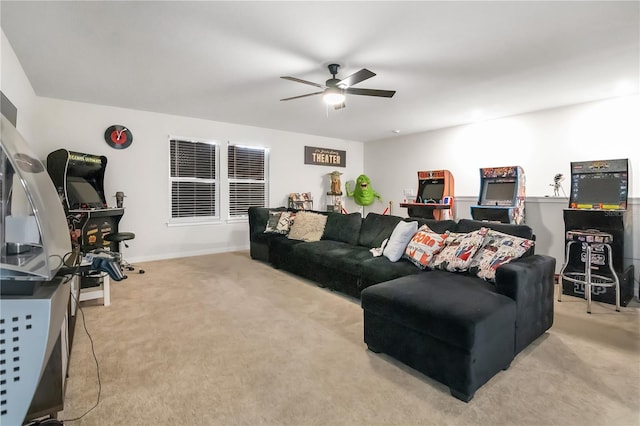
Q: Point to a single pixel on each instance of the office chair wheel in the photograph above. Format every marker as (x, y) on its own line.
(141, 271)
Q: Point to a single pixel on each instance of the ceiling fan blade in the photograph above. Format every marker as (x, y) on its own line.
(301, 96)
(303, 81)
(371, 92)
(340, 106)
(355, 78)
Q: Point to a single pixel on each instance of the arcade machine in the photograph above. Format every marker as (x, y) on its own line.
(79, 180)
(595, 218)
(502, 192)
(434, 198)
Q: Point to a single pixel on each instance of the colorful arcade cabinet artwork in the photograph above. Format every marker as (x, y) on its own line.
(434, 199)
(594, 222)
(502, 193)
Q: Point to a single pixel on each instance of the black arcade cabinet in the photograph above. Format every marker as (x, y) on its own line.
(502, 195)
(79, 180)
(597, 205)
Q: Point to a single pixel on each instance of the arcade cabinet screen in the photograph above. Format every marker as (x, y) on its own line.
(432, 191)
(80, 192)
(596, 188)
(499, 193)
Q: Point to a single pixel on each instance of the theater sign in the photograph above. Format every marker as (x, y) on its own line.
(325, 156)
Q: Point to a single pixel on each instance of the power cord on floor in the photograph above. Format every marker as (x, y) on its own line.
(95, 358)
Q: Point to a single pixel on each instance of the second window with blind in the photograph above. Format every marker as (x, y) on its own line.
(247, 177)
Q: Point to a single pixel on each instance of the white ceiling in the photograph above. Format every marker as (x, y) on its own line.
(222, 60)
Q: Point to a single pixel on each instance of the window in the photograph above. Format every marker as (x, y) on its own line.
(247, 178)
(194, 180)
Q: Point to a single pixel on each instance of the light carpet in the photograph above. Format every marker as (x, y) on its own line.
(226, 340)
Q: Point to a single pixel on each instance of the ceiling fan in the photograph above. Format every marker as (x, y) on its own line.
(334, 90)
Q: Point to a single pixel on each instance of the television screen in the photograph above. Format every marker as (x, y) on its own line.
(432, 190)
(80, 191)
(596, 188)
(499, 193)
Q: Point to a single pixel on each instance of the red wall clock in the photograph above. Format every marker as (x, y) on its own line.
(118, 137)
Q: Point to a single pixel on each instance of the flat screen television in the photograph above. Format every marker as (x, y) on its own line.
(431, 190)
(81, 193)
(498, 193)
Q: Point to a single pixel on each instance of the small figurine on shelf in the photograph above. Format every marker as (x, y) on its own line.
(336, 186)
(120, 199)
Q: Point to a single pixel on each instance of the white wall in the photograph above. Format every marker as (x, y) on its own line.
(142, 170)
(543, 143)
(17, 88)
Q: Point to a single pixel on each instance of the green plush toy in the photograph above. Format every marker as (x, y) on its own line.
(363, 194)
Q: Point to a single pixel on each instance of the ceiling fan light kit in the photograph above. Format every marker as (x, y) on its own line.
(333, 96)
(334, 90)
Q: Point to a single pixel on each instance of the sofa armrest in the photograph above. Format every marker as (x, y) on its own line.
(530, 282)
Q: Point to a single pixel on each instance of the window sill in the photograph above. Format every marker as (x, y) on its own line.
(196, 223)
(238, 220)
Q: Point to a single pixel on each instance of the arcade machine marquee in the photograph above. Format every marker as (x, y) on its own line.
(597, 204)
(434, 198)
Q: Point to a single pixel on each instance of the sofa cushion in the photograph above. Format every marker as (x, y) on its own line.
(467, 225)
(400, 237)
(376, 228)
(307, 226)
(458, 254)
(343, 227)
(459, 309)
(380, 269)
(424, 246)
(333, 254)
(439, 226)
(497, 249)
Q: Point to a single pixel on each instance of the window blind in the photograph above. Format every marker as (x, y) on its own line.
(247, 178)
(193, 177)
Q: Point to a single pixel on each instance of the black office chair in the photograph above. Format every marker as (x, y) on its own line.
(123, 237)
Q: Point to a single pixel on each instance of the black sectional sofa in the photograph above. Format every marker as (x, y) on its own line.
(454, 327)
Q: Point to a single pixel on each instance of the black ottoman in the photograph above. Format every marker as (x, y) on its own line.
(452, 327)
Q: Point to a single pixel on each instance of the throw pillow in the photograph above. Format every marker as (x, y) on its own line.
(424, 245)
(308, 226)
(458, 254)
(399, 239)
(498, 249)
(272, 223)
(284, 223)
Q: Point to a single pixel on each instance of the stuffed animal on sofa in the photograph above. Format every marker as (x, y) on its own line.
(363, 194)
